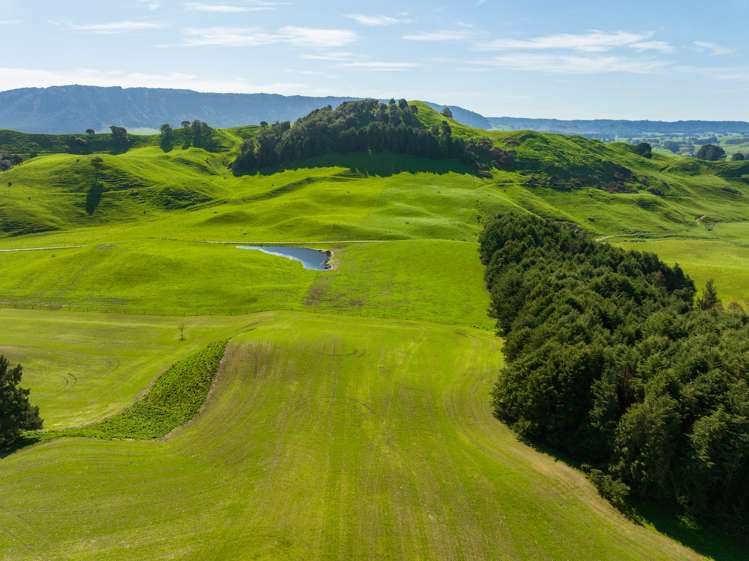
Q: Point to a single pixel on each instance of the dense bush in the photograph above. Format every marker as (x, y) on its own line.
(16, 413)
(361, 126)
(643, 149)
(711, 152)
(609, 359)
(7, 161)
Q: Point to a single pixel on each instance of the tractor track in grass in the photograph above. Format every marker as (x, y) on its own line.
(48, 248)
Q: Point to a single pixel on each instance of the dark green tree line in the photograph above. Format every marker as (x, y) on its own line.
(610, 359)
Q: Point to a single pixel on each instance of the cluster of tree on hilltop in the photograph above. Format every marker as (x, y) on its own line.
(193, 133)
(610, 359)
(357, 126)
(15, 146)
(117, 142)
(16, 413)
(711, 153)
(715, 153)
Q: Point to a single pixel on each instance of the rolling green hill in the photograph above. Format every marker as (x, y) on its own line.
(350, 416)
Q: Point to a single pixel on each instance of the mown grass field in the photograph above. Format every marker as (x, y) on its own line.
(325, 438)
(350, 417)
(724, 262)
(84, 367)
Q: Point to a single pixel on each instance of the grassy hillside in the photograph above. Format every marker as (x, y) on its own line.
(29, 144)
(350, 418)
(324, 438)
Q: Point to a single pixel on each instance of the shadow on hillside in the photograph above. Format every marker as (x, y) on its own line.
(20, 444)
(710, 542)
(377, 164)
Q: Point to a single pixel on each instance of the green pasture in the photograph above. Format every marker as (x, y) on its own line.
(350, 417)
(325, 437)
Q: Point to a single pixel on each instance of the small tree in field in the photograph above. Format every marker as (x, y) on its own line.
(447, 112)
(167, 137)
(120, 141)
(16, 413)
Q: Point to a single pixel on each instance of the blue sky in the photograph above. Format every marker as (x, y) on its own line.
(656, 59)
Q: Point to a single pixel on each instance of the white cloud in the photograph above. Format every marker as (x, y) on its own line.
(318, 38)
(11, 78)
(712, 48)
(309, 37)
(572, 64)
(593, 42)
(660, 46)
(10, 21)
(375, 21)
(151, 4)
(115, 27)
(723, 73)
(227, 37)
(216, 8)
(330, 56)
(257, 6)
(438, 36)
(381, 66)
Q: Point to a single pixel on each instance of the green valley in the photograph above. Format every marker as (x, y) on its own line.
(350, 416)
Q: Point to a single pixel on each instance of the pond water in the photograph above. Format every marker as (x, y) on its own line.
(313, 259)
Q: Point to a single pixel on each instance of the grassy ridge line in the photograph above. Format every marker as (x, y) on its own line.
(175, 398)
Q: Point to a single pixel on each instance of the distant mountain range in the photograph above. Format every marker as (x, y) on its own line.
(619, 128)
(67, 109)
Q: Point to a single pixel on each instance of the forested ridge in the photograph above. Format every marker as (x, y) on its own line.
(360, 126)
(610, 359)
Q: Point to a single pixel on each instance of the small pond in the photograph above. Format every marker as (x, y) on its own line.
(313, 259)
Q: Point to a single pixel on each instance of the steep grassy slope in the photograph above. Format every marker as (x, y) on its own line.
(325, 438)
(351, 419)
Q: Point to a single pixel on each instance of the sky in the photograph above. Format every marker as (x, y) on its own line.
(574, 59)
